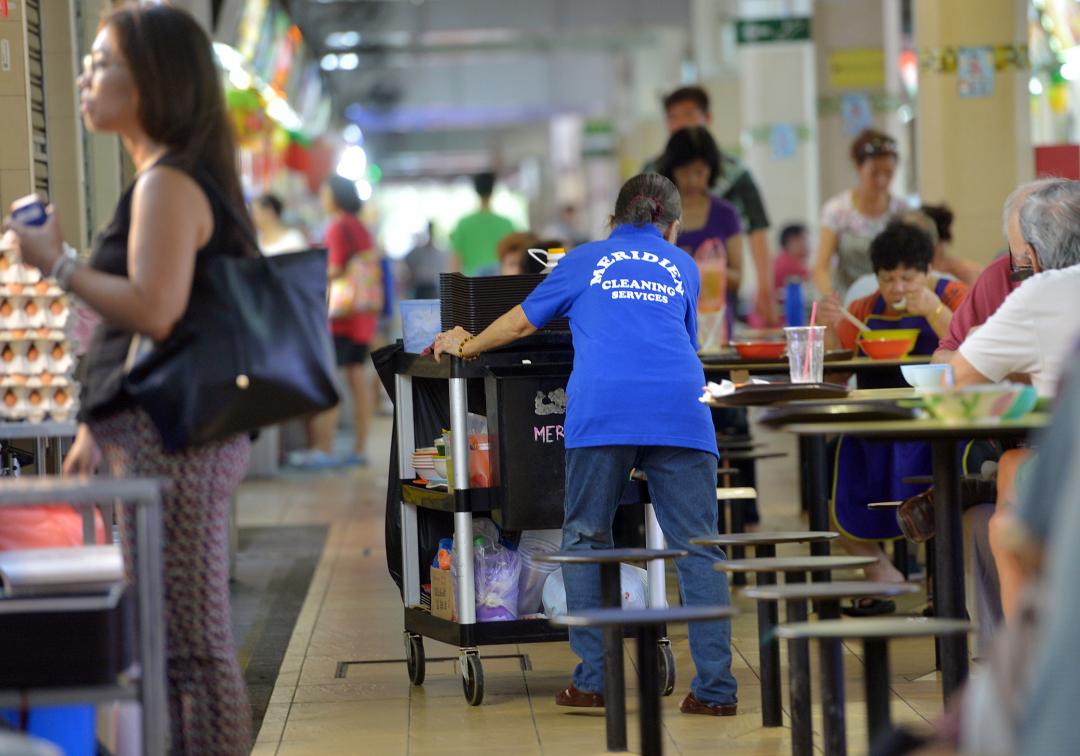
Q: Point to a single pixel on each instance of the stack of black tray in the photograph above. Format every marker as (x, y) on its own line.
(475, 302)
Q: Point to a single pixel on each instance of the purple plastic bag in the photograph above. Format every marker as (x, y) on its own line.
(498, 570)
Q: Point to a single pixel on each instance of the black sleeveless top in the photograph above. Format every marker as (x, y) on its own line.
(101, 371)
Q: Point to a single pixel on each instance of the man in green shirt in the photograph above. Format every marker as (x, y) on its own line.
(687, 107)
(478, 234)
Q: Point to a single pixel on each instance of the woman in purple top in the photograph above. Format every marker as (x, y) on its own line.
(711, 232)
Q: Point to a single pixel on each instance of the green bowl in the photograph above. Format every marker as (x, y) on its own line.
(998, 401)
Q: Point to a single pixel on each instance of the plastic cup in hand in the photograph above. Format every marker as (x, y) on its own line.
(806, 343)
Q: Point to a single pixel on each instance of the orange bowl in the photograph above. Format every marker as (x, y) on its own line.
(760, 350)
(887, 349)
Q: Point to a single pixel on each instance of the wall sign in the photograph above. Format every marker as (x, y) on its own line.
(855, 113)
(857, 68)
(3, 8)
(784, 141)
(762, 30)
(975, 71)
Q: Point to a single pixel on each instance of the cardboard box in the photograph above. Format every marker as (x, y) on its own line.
(442, 594)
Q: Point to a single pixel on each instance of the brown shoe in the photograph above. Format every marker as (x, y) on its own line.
(573, 697)
(691, 705)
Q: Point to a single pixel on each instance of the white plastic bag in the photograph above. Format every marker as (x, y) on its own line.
(635, 590)
(533, 543)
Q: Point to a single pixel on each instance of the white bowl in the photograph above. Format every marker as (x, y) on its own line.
(920, 376)
(440, 466)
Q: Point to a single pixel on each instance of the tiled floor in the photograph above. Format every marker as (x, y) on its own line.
(353, 614)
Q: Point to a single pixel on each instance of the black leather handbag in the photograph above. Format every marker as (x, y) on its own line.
(253, 349)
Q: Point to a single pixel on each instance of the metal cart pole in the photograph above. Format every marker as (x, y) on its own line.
(463, 524)
(410, 546)
(654, 539)
(150, 689)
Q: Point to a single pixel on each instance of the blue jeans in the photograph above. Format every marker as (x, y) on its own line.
(682, 486)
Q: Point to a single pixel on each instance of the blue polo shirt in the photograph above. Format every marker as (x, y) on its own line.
(632, 304)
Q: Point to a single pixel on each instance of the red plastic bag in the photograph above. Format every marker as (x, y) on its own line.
(479, 461)
(45, 526)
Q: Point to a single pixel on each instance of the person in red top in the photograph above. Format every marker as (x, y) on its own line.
(346, 236)
(996, 282)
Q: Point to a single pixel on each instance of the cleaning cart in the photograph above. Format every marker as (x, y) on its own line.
(521, 391)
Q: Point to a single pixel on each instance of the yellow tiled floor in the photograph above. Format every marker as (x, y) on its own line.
(353, 613)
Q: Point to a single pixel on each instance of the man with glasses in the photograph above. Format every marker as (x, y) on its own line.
(1034, 329)
(998, 280)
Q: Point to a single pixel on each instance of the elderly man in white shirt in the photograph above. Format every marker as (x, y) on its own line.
(1034, 333)
(1035, 329)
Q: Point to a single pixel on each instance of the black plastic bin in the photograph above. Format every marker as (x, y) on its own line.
(66, 641)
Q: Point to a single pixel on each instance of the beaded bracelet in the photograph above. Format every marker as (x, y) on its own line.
(461, 350)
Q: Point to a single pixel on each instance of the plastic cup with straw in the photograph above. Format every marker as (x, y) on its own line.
(810, 343)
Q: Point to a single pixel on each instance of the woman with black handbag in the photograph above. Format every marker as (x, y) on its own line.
(152, 79)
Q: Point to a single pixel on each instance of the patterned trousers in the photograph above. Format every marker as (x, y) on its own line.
(208, 703)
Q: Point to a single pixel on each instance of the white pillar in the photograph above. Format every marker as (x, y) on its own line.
(779, 108)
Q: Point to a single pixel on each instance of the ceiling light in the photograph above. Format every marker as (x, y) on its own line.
(352, 134)
(342, 40)
(353, 163)
(329, 62)
(349, 62)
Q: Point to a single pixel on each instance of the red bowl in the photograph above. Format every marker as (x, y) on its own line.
(886, 349)
(760, 350)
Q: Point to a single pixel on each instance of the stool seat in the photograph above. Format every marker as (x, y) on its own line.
(607, 556)
(744, 456)
(727, 471)
(828, 591)
(762, 538)
(736, 493)
(639, 617)
(727, 444)
(884, 504)
(794, 563)
(874, 627)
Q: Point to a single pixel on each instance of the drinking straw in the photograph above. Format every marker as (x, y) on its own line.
(810, 342)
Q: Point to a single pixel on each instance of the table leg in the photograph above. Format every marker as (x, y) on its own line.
(614, 680)
(832, 685)
(649, 693)
(900, 556)
(813, 463)
(738, 525)
(876, 659)
(768, 618)
(40, 462)
(949, 563)
(802, 733)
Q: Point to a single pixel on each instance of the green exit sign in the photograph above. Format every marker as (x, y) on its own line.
(761, 30)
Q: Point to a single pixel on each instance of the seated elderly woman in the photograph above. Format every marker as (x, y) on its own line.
(906, 298)
(1033, 332)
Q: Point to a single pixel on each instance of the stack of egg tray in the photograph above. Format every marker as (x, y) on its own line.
(36, 361)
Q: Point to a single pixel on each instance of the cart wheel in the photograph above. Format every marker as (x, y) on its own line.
(666, 661)
(472, 678)
(414, 658)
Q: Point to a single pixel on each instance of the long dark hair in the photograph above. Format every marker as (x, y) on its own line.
(648, 199)
(181, 100)
(686, 146)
